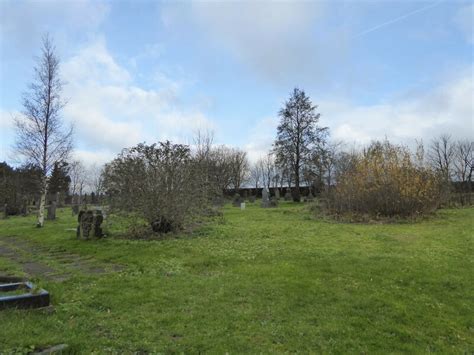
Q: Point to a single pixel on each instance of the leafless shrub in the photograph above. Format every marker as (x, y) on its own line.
(384, 181)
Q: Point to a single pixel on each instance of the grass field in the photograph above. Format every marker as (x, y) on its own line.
(259, 280)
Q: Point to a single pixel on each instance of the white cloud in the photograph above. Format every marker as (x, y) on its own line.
(24, 21)
(89, 158)
(110, 111)
(277, 39)
(6, 119)
(445, 109)
(94, 64)
(7, 133)
(448, 108)
(260, 142)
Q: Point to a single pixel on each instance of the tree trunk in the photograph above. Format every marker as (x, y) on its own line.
(42, 203)
(297, 194)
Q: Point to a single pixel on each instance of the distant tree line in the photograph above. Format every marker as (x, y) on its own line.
(20, 187)
(170, 184)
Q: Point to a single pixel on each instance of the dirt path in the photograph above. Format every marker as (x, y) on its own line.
(39, 261)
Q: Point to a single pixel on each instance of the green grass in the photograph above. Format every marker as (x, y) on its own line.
(261, 280)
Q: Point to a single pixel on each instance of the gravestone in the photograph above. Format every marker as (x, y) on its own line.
(277, 193)
(265, 198)
(242, 205)
(273, 202)
(237, 200)
(288, 196)
(24, 208)
(310, 197)
(75, 209)
(51, 216)
(89, 224)
(58, 199)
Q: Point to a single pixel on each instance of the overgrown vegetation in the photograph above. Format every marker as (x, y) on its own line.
(385, 180)
(158, 182)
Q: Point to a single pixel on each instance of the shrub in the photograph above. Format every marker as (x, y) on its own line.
(159, 183)
(386, 181)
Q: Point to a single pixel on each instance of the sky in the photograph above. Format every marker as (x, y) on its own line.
(146, 71)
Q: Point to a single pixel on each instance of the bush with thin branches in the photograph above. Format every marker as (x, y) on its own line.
(386, 181)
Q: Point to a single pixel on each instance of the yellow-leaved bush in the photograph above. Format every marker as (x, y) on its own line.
(386, 180)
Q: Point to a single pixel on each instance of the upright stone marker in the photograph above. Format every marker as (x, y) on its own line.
(237, 200)
(277, 193)
(51, 216)
(265, 198)
(89, 224)
(242, 205)
(24, 208)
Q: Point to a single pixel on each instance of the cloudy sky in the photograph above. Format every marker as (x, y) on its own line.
(147, 70)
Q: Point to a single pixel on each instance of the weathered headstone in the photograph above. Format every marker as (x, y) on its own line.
(58, 199)
(89, 224)
(310, 197)
(51, 216)
(288, 196)
(237, 200)
(277, 193)
(242, 205)
(265, 198)
(75, 209)
(24, 208)
(273, 202)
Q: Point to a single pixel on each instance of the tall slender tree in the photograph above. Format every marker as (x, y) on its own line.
(41, 137)
(298, 135)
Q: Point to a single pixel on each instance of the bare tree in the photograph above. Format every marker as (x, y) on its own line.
(239, 167)
(220, 169)
(463, 167)
(77, 173)
(41, 138)
(345, 163)
(267, 164)
(331, 153)
(463, 160)
(441, 155)
(95, 179)
(255, 174)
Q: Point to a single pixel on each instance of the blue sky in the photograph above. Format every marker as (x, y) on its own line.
(147, 70)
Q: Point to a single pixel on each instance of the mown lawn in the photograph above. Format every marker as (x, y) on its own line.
(259, 280)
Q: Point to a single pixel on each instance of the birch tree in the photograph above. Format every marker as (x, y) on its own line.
(42, 138)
